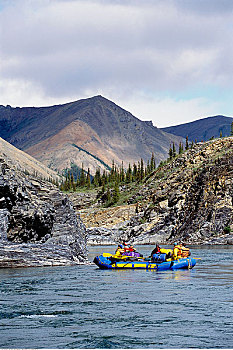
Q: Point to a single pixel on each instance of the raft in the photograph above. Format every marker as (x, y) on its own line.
(104, 261)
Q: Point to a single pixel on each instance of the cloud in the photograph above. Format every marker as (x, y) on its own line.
(52, 50)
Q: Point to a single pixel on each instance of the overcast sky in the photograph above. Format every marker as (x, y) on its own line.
(169, 61)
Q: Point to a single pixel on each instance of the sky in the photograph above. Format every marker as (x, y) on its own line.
(169, 61)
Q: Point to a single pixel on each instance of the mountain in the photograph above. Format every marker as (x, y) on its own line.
(92, 132)
(25, 162)
(202, 129)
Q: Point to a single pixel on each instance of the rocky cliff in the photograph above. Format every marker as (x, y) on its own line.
(190, 198)
(38, 225)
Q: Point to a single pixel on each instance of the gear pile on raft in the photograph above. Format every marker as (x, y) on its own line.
(160, 259)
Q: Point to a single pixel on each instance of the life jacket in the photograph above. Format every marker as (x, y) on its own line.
(126, 249)
(185, 252)
(177, 252)
(119, 252)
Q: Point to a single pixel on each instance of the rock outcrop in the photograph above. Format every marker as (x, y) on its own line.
(190, 198)
(38, 225)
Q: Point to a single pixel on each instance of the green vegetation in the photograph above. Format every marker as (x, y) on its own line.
(107, 182)
(227, 229)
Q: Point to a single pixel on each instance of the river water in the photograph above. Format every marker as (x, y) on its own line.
(84, 307)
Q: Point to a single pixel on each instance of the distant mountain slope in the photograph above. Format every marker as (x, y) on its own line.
(23, 161)
(92, 131)
(202, 129)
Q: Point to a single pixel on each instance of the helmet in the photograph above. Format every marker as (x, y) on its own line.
(121, 246)
(175, 243)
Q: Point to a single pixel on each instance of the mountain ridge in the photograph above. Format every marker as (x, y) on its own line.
(97, 125)
(202, 129)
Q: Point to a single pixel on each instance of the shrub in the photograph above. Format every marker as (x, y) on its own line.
(227, 229)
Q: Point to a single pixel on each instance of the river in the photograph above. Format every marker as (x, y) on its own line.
(85, 307)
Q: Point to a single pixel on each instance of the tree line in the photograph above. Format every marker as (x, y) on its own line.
(117, 175)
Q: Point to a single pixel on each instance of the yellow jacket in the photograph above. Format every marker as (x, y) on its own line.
(119, 252)
(177, 252)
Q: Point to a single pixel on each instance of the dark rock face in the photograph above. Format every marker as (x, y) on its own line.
(38, 225)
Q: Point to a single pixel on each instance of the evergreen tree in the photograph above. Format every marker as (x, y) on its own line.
(122, 173)
(129, 174)
(103, 188)
(97, 178)
(187, 143)
(112, 172)
(135, 171)
(148, 168)
(116, 193)
(142, 175)
(82, 178)
(170, 153)
(152, 162)
(108, 196)
(181, 149)
(88, 179)
(138, 172)
(173, 150)
(220, 133)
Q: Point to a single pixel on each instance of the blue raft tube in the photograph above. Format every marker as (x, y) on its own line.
(158, 263)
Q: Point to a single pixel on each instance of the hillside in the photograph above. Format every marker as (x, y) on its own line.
(189, 198)
(202, 129)
(92, 131)
(25, 162)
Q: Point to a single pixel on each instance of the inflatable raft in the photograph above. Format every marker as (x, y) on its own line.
(105, 261)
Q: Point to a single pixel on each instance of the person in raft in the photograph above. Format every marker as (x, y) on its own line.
(120, 250)
(125, 246)
(185, 251)
(180, 251)
(177, 252)
(156, 250)
(131, 248)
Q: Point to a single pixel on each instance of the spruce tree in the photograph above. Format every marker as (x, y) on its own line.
(108, 196)
(129, 174)
(82, 177)
(232, 129)
(173, 150)
(187, 143)
(135, 171)
(152, 162)
(116, 193)
(142, 170)
(170, 153)
(181, 148)
(88, 179)
(97, 178)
